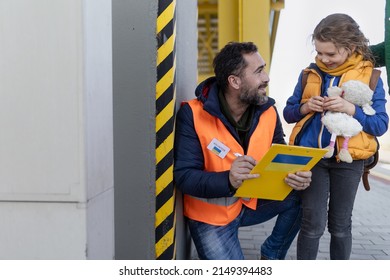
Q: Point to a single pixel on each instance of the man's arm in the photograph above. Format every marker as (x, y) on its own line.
(379, 54)
(189, 174)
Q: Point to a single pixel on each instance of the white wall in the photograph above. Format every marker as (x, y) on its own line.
(98, 127)
(56, 140)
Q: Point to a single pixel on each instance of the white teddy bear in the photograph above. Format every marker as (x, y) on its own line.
(342, 124)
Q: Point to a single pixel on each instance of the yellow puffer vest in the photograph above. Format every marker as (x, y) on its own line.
(360, 146)
(221, 211)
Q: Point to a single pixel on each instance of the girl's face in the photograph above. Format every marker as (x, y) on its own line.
(331, 56)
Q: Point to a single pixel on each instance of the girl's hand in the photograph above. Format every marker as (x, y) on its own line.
(314, 104)
(339, 104)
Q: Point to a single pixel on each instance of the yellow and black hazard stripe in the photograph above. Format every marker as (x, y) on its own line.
(165, 219)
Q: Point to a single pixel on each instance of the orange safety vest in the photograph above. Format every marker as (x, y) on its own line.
(221, 211)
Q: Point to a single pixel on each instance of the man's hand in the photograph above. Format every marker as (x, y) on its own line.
(241, 167)
(299, 181)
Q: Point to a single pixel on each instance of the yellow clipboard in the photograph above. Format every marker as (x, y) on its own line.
(274, 167)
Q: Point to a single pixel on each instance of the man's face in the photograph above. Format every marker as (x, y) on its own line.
(254, 80)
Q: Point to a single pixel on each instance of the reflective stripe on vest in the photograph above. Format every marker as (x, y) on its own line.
(221, 211)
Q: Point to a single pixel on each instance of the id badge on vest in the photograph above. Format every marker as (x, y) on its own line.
(218, 148)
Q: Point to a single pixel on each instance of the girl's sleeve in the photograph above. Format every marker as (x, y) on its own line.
(291, 111)
(279, 133)
(376, 124)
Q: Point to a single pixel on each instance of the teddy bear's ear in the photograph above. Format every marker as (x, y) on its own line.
(334, 91)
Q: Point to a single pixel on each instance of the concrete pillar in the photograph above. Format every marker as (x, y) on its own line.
(134, 90)
(134, 83)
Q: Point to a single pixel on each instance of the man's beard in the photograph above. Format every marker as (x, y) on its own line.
(252, 96)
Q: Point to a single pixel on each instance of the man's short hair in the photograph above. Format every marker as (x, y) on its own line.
(230, 61)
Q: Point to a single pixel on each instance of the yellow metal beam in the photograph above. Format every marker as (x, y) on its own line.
(228, 25)
(276, 7)
(207, 8)
(246, 20)
(255, 26)
(238, 20)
